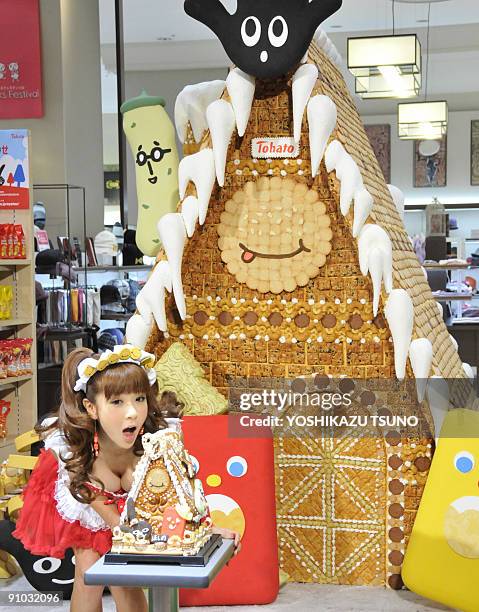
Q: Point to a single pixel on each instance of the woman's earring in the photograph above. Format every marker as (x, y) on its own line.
(142, 431)
(96, 445)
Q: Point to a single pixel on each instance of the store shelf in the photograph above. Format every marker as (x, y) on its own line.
(21, 391)
(113, 269)
(9, 263)
(422, 207)
(14, 322)
(8, 441)
(449, 267)
(12, 381)
(444, 296)
(116, 316)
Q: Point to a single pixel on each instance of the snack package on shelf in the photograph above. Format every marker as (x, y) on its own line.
(26, 359)
(15, 358)
(12, 241)
(20, 250)
(5, 408)
(6, 301)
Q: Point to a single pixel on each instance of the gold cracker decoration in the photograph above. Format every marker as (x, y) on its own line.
(274, 235)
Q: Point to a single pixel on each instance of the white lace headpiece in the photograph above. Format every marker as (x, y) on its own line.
(123, 353)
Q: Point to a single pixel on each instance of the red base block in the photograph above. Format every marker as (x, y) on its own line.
(243, 499)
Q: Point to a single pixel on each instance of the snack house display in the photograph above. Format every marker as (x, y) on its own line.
(166, 510)
(300, 266)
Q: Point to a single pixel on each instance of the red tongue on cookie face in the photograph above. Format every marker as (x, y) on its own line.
(247, 256)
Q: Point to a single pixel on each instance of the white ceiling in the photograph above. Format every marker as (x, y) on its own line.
(454, 41)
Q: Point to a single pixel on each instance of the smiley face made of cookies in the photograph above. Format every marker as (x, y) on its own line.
(274, 235)
(157, 484)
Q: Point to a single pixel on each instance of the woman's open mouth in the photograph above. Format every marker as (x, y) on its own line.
(249, 256)
(129, 433)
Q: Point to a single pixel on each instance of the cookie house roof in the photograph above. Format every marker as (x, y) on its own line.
(204, 162)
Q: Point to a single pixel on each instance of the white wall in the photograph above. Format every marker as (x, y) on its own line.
(82, 109)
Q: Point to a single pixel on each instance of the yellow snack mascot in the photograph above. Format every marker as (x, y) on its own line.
(442, 558)
(152, 139)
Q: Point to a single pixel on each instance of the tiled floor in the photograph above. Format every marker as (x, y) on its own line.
(294, 598)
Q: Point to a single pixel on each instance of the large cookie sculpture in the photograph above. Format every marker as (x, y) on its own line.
(288, 258)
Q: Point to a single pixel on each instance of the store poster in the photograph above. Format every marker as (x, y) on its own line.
(14, 170)
(430, 171)
(475, 153)
(380, 139)
(20, 60)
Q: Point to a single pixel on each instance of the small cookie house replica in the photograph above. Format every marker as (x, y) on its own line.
(300, 265)
(166, 510)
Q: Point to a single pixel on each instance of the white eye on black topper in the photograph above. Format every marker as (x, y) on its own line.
(251, 31)
(237, 466)
(278, 31)
(46, 565)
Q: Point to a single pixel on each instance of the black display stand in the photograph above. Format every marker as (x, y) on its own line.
(199, 560)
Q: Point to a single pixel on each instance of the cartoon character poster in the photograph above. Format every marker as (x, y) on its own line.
(14, 170)
(20, 60)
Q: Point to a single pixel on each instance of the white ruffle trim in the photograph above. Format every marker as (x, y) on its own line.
(72, 510)
(68, 507)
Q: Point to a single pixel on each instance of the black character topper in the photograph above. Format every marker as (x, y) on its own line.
(265, 38)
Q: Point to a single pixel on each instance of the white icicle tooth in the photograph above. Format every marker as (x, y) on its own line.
(363, 205)
(453, 340)
(198, 168)
(420, 356)
(469, 371)
(338, 58)
(191, 105)
(190, 212)
(328, 46)
(398, 199)
(151, 299)
(322, 117)
(221, 122)
(241, 88)
(137, 331)
(399, 313)
(375, 265)
(304, 80)
(334, 153)
(373, 236)
(347, 172)
(437, 391)
(171, 229)
(320, 37)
